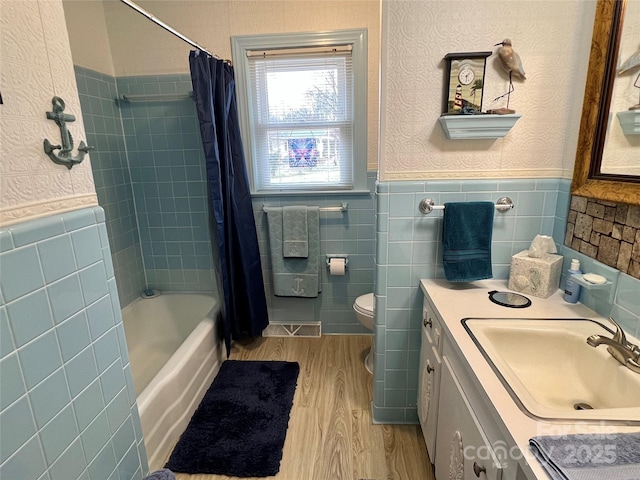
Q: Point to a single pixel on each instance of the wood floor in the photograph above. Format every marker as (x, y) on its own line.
(330, 435)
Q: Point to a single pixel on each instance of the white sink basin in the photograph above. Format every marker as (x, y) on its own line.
(552, 373)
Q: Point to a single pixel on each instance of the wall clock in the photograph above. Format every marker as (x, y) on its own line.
(464, 81)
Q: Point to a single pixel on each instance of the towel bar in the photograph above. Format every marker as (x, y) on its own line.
(341, 208)
(427, 205)
(153, 97)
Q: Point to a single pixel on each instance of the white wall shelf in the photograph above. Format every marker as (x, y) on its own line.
(460, 127)
(630, 122)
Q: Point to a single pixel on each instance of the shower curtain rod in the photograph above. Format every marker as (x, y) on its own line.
(160, 23)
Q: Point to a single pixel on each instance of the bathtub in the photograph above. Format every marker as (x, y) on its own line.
(174, 355)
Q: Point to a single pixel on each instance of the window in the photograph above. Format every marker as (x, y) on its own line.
(302, 105)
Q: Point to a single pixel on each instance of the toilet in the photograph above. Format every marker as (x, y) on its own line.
(364, 307)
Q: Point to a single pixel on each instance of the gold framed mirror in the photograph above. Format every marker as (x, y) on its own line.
(587, 179)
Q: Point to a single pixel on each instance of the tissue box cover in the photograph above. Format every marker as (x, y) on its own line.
(539, 277)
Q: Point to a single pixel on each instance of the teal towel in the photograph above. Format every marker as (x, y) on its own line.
(295, 233)
(466, 240)
(589, 456)
(295, 277)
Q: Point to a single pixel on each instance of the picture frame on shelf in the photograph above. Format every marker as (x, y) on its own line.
(464, 82)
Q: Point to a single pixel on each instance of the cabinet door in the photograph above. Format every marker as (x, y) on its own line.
(463, 450)
(424, 379)
(431, 325)
(428, 390)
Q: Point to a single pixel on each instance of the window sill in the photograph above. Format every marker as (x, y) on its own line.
(297, 193)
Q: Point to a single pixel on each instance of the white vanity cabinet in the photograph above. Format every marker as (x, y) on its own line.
(460, 427)
(429, 376)
(464, 451)
(481, 432)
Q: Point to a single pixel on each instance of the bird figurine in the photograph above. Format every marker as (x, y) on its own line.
(510, 60)
(512, 64)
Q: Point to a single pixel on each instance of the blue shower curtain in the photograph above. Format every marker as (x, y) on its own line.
(234, 230)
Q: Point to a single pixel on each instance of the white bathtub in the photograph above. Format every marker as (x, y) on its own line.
(174, 356)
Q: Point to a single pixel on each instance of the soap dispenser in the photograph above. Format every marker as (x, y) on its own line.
(572, 288)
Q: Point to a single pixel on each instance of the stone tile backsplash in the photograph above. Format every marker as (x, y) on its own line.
(606, 231)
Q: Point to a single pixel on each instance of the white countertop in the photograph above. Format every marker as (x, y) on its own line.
(455, 301)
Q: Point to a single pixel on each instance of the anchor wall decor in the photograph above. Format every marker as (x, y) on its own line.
(64, 157)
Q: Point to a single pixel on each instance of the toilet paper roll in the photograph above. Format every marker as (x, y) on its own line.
(337, 266)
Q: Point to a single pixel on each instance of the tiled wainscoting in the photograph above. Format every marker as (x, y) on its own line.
(409, 248)
(352, 233)
(67, 403)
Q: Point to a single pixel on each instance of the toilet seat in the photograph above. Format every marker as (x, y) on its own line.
(365, 304)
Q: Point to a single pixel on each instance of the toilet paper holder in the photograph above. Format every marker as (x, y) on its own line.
(337, 255)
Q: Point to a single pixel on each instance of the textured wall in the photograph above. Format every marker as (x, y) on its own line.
(36, 65)
(141, 48)
(552, 38)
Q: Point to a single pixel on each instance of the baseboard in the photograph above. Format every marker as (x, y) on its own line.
(306, 329)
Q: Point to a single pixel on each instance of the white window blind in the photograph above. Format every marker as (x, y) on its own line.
(301, 105)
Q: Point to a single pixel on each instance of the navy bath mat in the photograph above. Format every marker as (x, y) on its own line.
(240, 426)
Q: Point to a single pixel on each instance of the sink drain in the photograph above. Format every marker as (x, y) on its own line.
(582, 406)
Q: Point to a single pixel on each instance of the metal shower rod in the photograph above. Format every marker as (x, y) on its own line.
(168, 28)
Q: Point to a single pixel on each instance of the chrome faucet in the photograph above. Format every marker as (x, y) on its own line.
(619, 347)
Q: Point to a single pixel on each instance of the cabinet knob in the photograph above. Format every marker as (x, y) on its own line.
(430, 368)
(477, 469)
(426, 322)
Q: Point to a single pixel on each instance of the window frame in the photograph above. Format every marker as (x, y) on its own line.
(357, 39)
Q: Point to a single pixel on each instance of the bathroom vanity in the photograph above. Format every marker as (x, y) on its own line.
(474, 425)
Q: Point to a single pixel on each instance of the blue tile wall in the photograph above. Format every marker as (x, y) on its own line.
(352, 233)
(150, 177)
(626, 306)
(65, 406)
(169, 182)
(109, 163)
(166, 173)
(408, 249)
